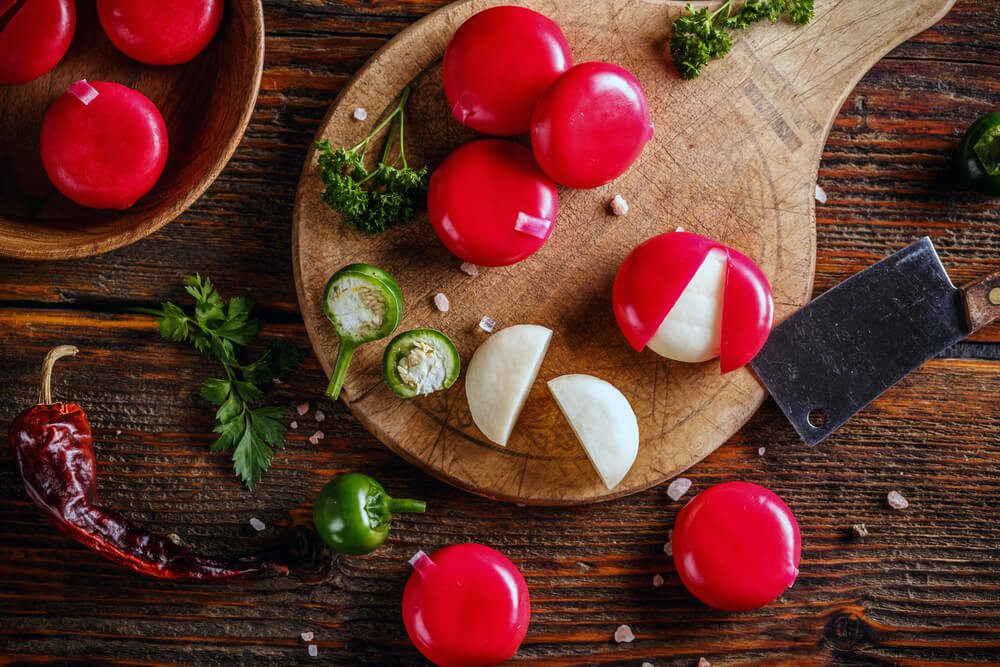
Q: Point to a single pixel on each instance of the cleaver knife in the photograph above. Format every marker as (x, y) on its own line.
(837, 354)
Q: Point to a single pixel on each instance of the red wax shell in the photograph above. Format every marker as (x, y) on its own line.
(105, 153)
(35, 39)
(736, 546)
(160, 32)
(481, 195)
(497, 65)
(591, 125)
(466, 605)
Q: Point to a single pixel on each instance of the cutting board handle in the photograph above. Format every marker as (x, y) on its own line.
(982, 302)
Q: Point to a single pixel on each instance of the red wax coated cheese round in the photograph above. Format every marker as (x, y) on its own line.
(736, 546)
(160, 32)
(466, 605)
(497, 65)
(591, 125)
(490, 204)
(103, 145)
(35, 39)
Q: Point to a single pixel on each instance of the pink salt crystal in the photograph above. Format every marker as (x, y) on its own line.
(316, 437)
(760, 451)
(647, 664)
(657, 580)
(441, 302)
(487, 324)
(313, 650)
(624, 634)
(307, 636)
(704, 663)
(302, 408)
(469, 268)
(294, 424)
(668, 548)
(618, 205)
(678, 488)
(320, 415)
(360, 113)
(897, 501)
(83, 91)
(532, 226)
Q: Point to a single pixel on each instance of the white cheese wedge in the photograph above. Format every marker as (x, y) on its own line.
(603, 421)
(692, 330)
(500, 375)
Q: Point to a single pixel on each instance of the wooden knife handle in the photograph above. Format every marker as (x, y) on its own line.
(982, 302)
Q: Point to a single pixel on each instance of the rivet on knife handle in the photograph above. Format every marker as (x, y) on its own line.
(982, 302)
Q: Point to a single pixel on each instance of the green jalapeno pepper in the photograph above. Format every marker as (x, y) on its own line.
(364, 304)
(352, 513)
(420, 361)
(979, 155)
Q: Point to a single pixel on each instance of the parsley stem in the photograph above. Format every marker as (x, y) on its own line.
(388, 119)
(344, 353)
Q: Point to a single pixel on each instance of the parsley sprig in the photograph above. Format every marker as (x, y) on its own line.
(220, 330)
(394, 191)
(700, 35)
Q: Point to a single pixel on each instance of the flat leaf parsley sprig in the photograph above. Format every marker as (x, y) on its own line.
(220, 331)
(700, 35)
(394, 191)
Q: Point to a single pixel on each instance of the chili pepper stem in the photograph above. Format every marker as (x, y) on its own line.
(54, 355)
(344, 353)
(397, 505)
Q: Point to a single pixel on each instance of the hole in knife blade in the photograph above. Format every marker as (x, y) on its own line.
(817, 418)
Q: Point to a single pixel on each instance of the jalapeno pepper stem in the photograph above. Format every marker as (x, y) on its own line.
(398, 505)
(344, 353)
(54, 355)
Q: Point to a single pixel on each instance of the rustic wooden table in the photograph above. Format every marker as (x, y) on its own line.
(923, 588)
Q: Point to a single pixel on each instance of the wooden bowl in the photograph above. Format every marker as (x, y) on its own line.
(206, 104)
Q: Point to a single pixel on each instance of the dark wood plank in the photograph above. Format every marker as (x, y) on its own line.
(922, 589)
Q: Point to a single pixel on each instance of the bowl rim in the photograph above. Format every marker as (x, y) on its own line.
(99, 245)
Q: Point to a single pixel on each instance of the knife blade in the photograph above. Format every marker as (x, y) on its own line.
(834, 356)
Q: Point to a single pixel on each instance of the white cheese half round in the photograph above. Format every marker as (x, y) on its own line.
(603, 421)
(500, 375)
(692, 330)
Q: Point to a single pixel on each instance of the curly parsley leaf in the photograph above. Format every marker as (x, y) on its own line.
(394, 190)
(220, 330)
(700, 35)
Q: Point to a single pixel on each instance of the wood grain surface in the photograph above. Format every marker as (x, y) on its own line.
(923, 588)
(734, 159)
(206, 104)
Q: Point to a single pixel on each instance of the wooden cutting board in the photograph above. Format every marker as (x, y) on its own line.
(734, 157)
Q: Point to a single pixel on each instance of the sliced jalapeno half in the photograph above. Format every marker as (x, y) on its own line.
(979, 155)
(364, 304)
(419, 362)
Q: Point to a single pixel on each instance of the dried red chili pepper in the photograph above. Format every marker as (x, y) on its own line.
(52, 446)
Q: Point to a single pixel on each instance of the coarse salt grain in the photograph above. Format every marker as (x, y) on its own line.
(302, 409)
(618, 205)
(678, 488)
(668, 548)
(441, 302)
(532, 226)
(320, 415)
(820, 194)
(859, 530)
(307, 636)
(624, 634)
(294, 424)
(487, 324)
(897, 501)
(313, 651)
(257, 524)
(704, 663)
(316, 437)
(657, 580)
(360, 113)
(469, 268)
(276, 380)
(647, 664)
(761, 450)
(679, 229)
